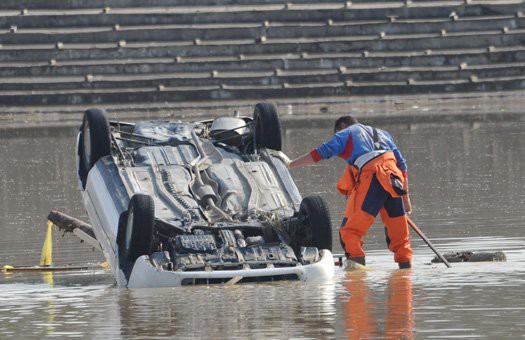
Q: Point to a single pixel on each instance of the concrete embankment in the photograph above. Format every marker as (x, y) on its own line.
(468, 108)
(138, 56)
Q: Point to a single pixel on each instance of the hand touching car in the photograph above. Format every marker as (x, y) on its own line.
(282, 156)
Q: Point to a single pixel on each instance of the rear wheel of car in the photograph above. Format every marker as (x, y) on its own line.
(267, 127)
(94, 140)
(317, 226)
(139, 227)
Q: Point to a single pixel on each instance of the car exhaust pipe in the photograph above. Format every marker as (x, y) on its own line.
(205, 192)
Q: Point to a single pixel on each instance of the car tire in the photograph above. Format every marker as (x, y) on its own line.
(317, 224)
(94, 141)
(139, 227)
(267, 127)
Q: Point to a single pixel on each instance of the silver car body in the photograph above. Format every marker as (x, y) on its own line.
(250, 188)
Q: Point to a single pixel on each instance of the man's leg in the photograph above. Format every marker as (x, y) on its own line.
(351, 233)
(361, 209)
(397, 234)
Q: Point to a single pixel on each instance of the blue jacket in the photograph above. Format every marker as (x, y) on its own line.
(354, 141)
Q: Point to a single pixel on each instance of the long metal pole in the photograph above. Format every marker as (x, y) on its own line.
(427, 241)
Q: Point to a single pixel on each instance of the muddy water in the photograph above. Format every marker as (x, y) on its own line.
(467, 184)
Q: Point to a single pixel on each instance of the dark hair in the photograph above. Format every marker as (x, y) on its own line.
(346, 120)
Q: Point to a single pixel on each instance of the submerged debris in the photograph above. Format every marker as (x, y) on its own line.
(471, 256)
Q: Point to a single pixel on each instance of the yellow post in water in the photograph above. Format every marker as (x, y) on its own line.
(46, 259)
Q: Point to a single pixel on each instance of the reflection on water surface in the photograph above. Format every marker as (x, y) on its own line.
(467, 189)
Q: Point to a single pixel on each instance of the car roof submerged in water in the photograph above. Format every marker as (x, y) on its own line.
(198, 196)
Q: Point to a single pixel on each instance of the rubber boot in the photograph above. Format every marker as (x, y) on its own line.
(405, 265)
(361, 260)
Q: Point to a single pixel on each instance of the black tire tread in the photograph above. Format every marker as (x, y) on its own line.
(100, 140)
(99, 128)
(267, 120)
(318, 221)
(143, 217)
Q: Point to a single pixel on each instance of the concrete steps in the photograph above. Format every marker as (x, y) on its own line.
(175, 97)
(71, 52)
(204, 48)
(295, 31)
(271, 63)
(159, 16)
(271, 78)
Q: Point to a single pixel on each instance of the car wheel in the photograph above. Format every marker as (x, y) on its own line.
(267, 127)
(317, 226)
(94, 141)
(139, 227)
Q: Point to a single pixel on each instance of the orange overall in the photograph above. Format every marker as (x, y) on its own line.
(371, 192)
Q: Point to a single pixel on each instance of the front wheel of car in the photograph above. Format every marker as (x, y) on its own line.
(94, 141)
(139, 227)
(317, 226)
(267, 127)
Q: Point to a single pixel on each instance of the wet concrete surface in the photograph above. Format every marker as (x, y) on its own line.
(428, 108)
(467, 192)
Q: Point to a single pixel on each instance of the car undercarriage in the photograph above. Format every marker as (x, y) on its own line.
(198, 197)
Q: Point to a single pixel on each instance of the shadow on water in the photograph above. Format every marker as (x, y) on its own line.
(467, 189)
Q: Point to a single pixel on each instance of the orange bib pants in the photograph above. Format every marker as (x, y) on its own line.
(369, 193)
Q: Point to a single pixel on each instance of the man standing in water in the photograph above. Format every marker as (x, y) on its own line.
(375, 181)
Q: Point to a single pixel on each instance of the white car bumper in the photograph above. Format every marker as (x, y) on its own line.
(144, 274)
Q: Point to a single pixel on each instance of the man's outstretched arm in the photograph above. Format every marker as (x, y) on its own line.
(305, 159)
(333, 147)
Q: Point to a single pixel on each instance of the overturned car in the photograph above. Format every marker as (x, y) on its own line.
(183, 203)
